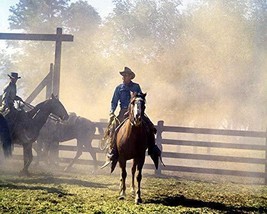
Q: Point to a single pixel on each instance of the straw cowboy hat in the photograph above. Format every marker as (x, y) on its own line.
(127, 71)
(14, 75)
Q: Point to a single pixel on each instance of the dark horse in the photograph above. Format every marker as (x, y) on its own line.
(75, 127)
(28, 125)
(132, 141)
(5, 137)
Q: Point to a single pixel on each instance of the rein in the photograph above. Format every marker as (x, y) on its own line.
(51, 116)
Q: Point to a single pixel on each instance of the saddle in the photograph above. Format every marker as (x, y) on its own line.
(72, 119)
(13, 116)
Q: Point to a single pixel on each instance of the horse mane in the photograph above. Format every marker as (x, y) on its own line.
(35, 109)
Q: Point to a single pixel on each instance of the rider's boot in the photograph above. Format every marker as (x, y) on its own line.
(153, 150)
(112, 158)
(155, 154)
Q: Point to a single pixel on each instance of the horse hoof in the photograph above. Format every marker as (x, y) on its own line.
(24, 173)
(138, 201)
(121, 197)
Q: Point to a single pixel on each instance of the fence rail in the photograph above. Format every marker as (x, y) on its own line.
(259, 162)
(257, 144)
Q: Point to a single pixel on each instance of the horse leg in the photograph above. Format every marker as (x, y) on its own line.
(133, 176)
(123, 179)
(54, 153)
(37, 148)
(46, 148)
(91, 150)
(140, 164)
(27, 155)
(78, 154)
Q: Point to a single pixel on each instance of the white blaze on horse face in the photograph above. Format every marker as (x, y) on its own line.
(137, 111)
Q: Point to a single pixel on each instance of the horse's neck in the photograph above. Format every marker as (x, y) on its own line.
(39, 117)
(32, 112)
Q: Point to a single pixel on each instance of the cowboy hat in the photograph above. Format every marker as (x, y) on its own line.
(14, 75)
(127, 71)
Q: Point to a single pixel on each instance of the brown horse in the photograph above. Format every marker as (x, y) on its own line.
(27, 126)
(76, 127)
(132, 142)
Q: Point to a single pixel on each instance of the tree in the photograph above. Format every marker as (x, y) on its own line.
(38, 15)
(143, 28)
(44, 16)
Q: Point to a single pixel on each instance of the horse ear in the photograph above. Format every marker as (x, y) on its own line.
(53, 96)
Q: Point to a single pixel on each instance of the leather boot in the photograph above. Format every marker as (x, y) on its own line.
(155, 154)
(112, 157)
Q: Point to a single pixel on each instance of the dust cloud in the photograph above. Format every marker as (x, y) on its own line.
(212, 75)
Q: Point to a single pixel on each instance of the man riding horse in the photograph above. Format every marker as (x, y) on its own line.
(9, 96)
(122, 94)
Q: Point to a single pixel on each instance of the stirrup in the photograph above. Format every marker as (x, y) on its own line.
(105, 164)
(110, 158)
(155, 155)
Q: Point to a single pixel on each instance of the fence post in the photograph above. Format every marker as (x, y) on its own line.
(159, 142)
(49, 85)
(265, 177)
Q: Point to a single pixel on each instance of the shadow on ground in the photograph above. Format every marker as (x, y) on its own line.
(55, 180)
(180, 200)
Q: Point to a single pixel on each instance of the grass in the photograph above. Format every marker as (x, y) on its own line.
(57, 192)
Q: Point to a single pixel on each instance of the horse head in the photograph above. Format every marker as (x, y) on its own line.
(57, 108)
(137, 108)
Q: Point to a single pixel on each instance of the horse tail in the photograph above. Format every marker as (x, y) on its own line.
(5, 136)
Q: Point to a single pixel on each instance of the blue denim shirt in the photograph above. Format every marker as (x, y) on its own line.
(122, 93)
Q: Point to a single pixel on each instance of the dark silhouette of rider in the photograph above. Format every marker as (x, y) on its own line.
(9, 96)
(10, 93)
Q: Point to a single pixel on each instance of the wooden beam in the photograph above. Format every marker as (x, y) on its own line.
(36, 37)
(56, 74)
(39, 88)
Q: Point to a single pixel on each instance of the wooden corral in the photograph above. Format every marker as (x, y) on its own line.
(200, 151)
(52, 80)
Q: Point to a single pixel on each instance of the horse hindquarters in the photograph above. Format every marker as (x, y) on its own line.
(5, 137)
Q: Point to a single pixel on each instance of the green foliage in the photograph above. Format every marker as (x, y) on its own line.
(38, 15)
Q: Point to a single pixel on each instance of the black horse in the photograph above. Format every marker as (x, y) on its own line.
(5, 137)
(75, 127)
(25, 126)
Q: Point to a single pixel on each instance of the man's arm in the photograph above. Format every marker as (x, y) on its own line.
(139, 89)
(5, 96)
(114, 101)
(18, 98)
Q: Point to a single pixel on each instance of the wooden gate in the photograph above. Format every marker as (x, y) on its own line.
(52, 80)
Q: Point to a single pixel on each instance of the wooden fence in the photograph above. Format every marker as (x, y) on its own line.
(257, 145)
(242, 154)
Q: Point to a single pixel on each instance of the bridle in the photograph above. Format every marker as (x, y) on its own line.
(137, 110)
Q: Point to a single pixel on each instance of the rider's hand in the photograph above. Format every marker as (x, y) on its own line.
(19, 99)
(111, 115)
